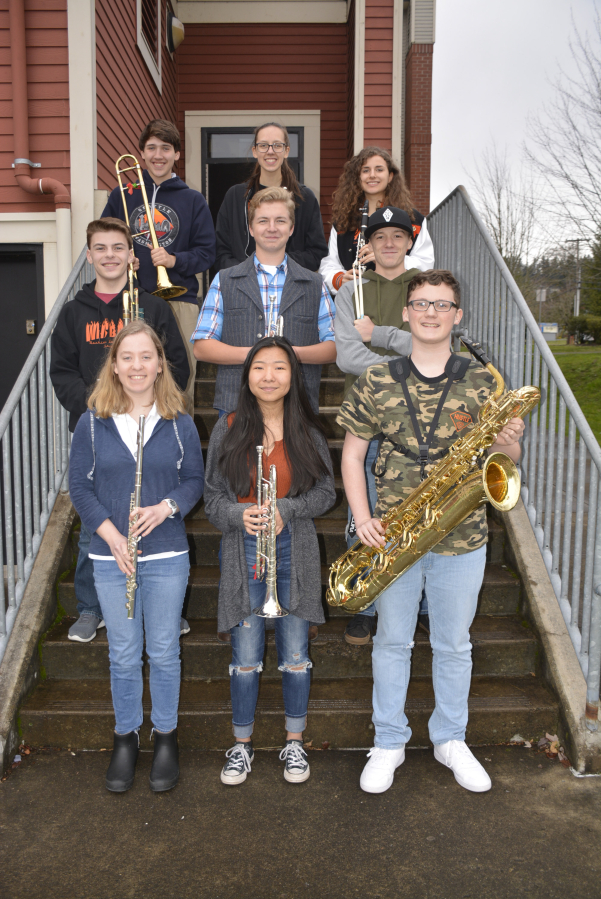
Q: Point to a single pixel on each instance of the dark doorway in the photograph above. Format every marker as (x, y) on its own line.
(227, 160)
(21, 308)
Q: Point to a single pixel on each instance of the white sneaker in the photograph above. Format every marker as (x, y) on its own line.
(378, 774)
(468, 771)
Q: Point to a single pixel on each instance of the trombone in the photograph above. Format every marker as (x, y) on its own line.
(358, 267)
(165, 288)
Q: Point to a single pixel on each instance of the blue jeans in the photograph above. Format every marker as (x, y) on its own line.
(85, 591)
(372, 498)
(452, 584)
(248, 647)
(157, 611)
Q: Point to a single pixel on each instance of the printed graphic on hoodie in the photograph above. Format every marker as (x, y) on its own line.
(102, 333)
(166, 225)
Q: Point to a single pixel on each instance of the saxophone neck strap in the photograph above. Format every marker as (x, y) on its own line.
(400, 369)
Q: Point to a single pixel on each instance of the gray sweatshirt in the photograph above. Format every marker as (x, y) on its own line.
(352, 355)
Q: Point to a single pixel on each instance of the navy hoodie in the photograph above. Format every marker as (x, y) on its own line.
(84, 331)
(184, 227)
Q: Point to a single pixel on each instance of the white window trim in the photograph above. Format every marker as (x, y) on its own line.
(309, 119)
(151, 63)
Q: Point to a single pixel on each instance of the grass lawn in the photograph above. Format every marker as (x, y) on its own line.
(582, 369)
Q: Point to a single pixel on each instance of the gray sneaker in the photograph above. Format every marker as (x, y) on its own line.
(184, 627)
(85, 628)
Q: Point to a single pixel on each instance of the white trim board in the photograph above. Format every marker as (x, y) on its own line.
(210, 12)
(309, 119)
(35, 227)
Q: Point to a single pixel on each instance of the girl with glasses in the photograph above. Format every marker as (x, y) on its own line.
(307, 245)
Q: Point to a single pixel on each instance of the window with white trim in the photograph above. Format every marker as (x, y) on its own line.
(148, 25)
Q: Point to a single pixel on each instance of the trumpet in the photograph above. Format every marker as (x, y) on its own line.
(358, 267)
(132, 542)
(165, 288)
(131, 310)
(275, 326)
(266, 543)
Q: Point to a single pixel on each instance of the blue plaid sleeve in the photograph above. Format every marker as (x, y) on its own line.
(210, 320)
(325, 322)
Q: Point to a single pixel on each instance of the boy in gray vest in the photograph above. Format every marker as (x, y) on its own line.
(268, 291)
(379, 336)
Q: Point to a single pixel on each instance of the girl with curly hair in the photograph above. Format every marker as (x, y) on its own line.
(371, 175)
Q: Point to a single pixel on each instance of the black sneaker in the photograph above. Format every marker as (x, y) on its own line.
(297, 764)
(360, 630)
(239, 759)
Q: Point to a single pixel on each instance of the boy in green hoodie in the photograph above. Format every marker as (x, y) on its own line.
(377, 337)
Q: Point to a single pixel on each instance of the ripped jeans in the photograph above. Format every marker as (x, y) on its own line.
(452, 584)
(248, 648)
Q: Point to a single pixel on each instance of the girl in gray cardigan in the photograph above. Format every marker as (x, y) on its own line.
(274, 412)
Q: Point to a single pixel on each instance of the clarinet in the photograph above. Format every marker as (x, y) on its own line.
(132, 542)
(358, 268)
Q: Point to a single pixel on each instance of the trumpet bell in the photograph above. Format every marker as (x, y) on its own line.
(271, 608)
(501, 481)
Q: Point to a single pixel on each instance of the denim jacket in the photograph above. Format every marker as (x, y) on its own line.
(102, 473)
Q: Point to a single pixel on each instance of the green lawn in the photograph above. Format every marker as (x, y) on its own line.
(582, 369)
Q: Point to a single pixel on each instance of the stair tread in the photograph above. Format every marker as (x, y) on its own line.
(89, 697)
(485, 630)
(208, 575)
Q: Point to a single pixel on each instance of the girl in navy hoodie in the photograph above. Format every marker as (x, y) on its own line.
(135, 380)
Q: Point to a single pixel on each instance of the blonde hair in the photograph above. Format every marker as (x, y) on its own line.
(108, 396)
(271, 195)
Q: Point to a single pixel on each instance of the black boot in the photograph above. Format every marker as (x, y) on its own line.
(164, 773)
(120, 775)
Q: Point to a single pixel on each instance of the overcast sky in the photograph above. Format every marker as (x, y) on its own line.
(493, 60)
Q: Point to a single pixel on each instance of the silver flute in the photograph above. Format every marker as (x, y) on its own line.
(266, 543)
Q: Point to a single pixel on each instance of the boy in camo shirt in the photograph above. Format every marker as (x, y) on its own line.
(445, 393)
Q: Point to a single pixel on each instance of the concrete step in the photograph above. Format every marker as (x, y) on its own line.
(79, 714)
(502, 647)
(500, 593)
(331, 391)
(204, 538)
(206, 417)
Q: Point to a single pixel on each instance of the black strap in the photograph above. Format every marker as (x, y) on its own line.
(399, 370)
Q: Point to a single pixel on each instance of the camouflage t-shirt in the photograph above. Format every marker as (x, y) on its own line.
(376, 405)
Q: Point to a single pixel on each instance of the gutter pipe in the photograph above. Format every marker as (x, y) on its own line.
(22, 163)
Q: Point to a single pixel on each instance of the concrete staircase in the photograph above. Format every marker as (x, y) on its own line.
(72, 706)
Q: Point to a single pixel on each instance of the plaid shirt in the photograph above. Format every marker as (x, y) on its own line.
(210, 320)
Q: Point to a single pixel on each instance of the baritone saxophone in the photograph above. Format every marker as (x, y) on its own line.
(454, 489)
(132, 542)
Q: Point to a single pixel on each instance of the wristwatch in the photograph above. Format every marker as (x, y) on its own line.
(172, 505)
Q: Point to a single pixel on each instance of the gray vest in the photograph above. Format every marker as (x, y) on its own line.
(244, 323)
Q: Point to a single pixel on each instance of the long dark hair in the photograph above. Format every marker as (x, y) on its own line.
(238, 457)
(288, 177)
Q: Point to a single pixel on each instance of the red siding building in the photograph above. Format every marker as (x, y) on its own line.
(339, 73)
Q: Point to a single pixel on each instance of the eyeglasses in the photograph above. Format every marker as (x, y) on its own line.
(439, 305)
(263, 146)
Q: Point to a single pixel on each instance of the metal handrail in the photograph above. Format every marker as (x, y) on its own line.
(555, 469)
(34, 438)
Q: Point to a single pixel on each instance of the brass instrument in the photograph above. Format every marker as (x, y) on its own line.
(271, 608)
(453, 490)
(165, 288)
(275, 326)
(358, 268)
(261, 542)
(132, 542)
(131, 310)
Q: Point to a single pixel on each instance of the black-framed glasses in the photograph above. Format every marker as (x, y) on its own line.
(439, 305)
(263, 146)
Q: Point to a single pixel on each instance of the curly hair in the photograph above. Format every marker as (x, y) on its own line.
(349, 197)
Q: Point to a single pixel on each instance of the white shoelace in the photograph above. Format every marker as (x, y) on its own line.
(238, 758)
(460, 751)
(294, 755)
(379, 757)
